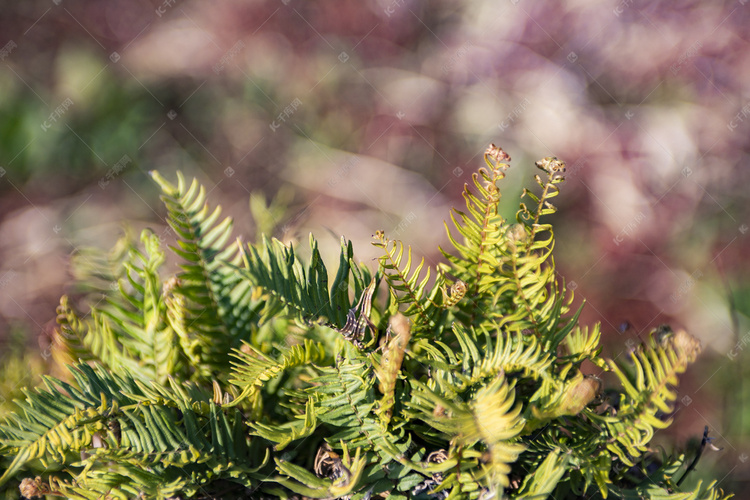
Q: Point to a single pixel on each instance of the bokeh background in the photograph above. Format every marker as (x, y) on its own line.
(364, 115)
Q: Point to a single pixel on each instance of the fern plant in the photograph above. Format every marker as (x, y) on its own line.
(248, 374)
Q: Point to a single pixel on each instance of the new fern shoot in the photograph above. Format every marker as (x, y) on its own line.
(248, 374)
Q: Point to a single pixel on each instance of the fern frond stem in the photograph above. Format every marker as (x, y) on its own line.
(204, 271)
(359, 420)
(405, 280)
(538, 213)
(351, 403)
(697, 456)
(641, 409)
(490, 210)
(520, 293)
(480, 256)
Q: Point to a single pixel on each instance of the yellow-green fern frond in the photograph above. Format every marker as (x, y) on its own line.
(408, 283)
(127, 326)
(490, 418)
(217, 302)
(252, 369)
(649, 391)
(113, 431)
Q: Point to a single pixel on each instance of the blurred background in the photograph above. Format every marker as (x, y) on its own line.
(358, 116)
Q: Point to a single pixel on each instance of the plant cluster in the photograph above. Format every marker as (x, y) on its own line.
(248, 374)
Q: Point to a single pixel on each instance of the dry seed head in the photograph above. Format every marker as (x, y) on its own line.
(551, 164)
(687, 345)
(497, 154)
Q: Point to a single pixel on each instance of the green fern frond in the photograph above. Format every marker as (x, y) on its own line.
(408, 284)
(284, 434)
(303, 291)
(660, 484)
(248, 374)
(530, 217)
(128, 326)
(346, 398)
(302, 481)
(582, 344)
(146, 429)
(252, 370)
(97, 271)
(507, 268)
(546, 476)
(511, 353)
(490, 418)
(483, 230)
(217, 306)
(482, 358)
(649, 391)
